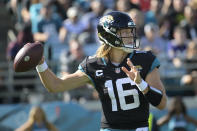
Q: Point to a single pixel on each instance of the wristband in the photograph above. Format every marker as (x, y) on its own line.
(142, 86)
(154, 96)
(42, 67)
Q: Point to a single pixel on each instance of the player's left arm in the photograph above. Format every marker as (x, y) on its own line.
(151, 87)
(154, 81)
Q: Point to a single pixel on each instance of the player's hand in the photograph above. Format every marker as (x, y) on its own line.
(133, 74)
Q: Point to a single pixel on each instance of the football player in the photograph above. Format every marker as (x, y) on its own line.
(126, 80)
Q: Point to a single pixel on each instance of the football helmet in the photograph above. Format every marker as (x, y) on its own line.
(108, 27)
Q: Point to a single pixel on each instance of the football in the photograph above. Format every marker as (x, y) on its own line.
(28, 57)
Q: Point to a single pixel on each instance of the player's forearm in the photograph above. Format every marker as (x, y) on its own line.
(69, 81)
(54, 84)
(73, 81)
(157, 97)
(162, 104)
(50, 80)
(156, 94)
(163, 101)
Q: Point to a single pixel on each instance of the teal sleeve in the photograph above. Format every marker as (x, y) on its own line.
(81, 69)
(155, 64)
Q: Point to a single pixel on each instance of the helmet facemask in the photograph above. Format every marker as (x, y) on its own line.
(127, 37)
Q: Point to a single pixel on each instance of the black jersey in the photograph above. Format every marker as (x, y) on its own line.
(123, 104)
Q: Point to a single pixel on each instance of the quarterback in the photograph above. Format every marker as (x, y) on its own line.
(126, 80)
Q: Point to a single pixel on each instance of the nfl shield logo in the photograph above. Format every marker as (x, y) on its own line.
(117, 70)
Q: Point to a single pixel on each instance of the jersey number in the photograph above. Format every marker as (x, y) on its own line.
(122, 94)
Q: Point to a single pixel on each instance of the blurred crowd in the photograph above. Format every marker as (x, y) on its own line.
(67, 28)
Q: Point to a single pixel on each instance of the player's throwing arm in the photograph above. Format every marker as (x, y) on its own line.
(55, 84)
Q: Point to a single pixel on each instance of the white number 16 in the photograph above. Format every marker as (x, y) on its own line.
(122, 94)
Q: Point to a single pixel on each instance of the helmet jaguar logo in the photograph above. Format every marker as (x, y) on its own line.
(106, 20)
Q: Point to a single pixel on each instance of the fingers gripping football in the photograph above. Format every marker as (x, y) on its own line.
(134, 74)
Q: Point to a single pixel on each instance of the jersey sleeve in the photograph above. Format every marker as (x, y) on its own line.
(83, 66)
(148, 61)
(154, 62)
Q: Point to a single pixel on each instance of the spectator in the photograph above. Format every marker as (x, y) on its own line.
(69, 63)
(177, 47)
(193, 4)
(71, 59)
(164, 22)
(34, 11)
(123, 5)
(138, 17)
(61, 6)
(177, 117)
(190, 78)
(37, 121)
(189, 23)
(176, 15)
(153, 40)
(166, 7)
(49, 25)
(176, 50)
(164, 28)
(25, 15)
(16, 7)
(48, 30)
(109, 4)
(71, 26)
(191, 81)
(92, 18)
(191, 56)
(24, 36)
(153, 14)
(143, 5)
